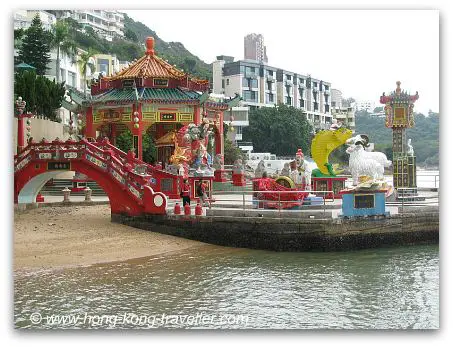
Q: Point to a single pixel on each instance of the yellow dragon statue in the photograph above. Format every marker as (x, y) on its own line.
(324, 142)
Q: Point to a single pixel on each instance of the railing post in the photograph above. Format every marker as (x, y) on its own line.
(279, 207)
(87, 192)
(66, 194)
(243, 203)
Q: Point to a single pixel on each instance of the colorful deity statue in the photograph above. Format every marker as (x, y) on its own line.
(191, 143)
(301, 172)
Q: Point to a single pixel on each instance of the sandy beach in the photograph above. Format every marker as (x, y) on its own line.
(53, 237)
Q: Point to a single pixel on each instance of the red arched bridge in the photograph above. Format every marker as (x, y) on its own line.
(133, 186)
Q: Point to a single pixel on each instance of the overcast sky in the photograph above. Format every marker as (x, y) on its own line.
(361, 52)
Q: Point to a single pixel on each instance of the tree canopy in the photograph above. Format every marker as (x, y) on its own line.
(35, 48)
(42, 95)
(281, 130)
(424, 135)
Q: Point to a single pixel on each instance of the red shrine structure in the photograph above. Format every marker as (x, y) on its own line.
(151, 96)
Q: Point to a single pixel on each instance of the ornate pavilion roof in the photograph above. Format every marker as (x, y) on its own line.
(152, 66)
(156, 95)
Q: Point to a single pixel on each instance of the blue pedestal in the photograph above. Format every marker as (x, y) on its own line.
(363, 203)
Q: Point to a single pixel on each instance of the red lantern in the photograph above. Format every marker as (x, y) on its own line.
(187, 210)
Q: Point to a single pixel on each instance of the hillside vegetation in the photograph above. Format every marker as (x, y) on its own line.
(424, 135)
(133, 46)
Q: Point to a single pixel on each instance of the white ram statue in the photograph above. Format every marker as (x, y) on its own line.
(363, 163)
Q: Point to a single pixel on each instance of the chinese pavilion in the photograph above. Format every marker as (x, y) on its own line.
(149, 96)
(399, 107)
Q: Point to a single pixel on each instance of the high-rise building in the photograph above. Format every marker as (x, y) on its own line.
(254, 48)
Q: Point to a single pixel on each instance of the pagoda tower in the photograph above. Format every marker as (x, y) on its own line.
(399, 116)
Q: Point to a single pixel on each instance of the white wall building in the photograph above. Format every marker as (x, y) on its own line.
(108, 24)
(261, 85)
(367, 105)
(337, 98)
(23, 19)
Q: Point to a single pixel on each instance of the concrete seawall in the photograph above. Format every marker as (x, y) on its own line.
(286, 234)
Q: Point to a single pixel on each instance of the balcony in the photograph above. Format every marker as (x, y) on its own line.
(249, 74)
(270, 78)
(288, 83)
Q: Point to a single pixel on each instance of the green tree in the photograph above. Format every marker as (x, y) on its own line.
(42, 95)
(149, 149)
(130, 35)
(61, 40)
(281, 130)
(189, 65)
(35, 49)
(125, 141)
(85, 63)
(230, 152)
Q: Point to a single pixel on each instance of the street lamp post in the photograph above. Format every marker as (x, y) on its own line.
(20, 107)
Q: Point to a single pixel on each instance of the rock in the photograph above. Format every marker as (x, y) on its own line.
(50, 224)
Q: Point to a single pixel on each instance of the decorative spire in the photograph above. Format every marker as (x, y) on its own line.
(150, 46)
(398, 89)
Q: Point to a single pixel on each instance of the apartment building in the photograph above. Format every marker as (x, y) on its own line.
(108, 24)
(261, 85)
(23, 19)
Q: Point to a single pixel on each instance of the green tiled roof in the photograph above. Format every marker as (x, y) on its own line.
(147, 94)
(169, 94)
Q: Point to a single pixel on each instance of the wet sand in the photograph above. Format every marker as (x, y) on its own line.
(54, 237)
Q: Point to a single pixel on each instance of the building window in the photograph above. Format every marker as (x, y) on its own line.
(315, 84)
(301, 81)
(228, 81)
(269, 98)
(104, 66)
(326, 108)
(270, 73)
(315, 105)
(223, 83)
(239, 129)
(301, 103)
(301, 92)
(326, 87)
(288, 77)
(334, 104)
(254, 83)
(62, 75)
(245, 82)
(250, 95)
(269, 85)
(288, 90)
(71, 79)
(288, 100)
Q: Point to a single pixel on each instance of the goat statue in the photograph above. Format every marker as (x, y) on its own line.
(363, 163)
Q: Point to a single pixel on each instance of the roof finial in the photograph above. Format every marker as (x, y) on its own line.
(398, 89)
(150, 45)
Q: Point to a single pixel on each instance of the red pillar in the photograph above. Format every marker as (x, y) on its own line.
(219, 175)
(219, 140)
(89, 129)
(137, 132)
(20, 134)
(196, 114)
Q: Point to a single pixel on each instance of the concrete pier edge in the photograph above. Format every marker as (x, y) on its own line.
(296, 235)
